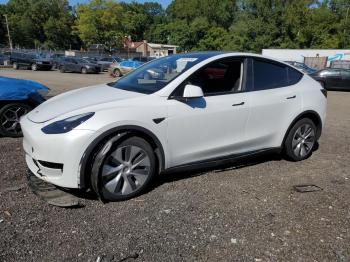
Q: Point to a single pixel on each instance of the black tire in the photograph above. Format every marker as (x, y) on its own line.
(117, 73)
(34, 67)
(9, 120)
(15, 66)
(140, 185)
(62, 70)
(298, 145)
(84, 71)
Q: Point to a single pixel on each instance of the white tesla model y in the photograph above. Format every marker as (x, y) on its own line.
(175, 112)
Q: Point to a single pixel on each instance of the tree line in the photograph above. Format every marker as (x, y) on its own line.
(241, 25)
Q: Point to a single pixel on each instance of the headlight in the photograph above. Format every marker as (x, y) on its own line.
(66, 125)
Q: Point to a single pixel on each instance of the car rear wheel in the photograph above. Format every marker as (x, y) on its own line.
(9, 119)
(34, 67)
(127, 169)
(15, 66)
(84, 70)
(301, 140)
(117, 73)
(62, 70)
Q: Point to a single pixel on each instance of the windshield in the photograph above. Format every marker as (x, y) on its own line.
(155, 75)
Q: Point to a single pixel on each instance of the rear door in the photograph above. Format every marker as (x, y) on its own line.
(345, 74)
(275, 101)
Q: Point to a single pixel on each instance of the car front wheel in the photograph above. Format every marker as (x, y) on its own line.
(15, 66)
(301, 140)
(9, 119)
(127, 169)
(84, 70)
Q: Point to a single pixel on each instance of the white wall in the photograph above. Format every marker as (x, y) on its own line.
(299, 54)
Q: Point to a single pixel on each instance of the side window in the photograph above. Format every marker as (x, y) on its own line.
(219, 77)
(269, 75)
(294, 76)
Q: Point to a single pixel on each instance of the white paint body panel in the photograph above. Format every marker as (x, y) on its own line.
(196, 130)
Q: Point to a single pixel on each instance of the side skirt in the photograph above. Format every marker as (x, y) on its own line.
(213, 162)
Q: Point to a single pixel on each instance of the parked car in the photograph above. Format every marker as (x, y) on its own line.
(30, 61)
(17, 98)
(3, 58)
(302, 67)
(115, 138)
(55, 59)
(79, 65)
(334, 78)
(106, 62)
(124, 67)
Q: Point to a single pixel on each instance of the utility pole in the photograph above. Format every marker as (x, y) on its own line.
(346, 21)
(8, 32)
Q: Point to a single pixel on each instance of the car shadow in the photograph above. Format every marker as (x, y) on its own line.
(174, 176)
(219, 168)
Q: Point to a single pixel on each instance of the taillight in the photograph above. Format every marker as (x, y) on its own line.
(324, 92)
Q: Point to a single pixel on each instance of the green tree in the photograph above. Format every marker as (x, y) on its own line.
(40, 22)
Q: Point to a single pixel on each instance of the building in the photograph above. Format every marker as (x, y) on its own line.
(150, 49)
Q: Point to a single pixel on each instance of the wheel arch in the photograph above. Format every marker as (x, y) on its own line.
(314, 116)
(129, 130)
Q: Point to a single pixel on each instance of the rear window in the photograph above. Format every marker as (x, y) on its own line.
(294, 76)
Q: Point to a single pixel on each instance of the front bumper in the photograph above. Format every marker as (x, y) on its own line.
(55, 158)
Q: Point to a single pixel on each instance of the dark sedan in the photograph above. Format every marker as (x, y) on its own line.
(79, 65)
(30, 61)
(333, 78)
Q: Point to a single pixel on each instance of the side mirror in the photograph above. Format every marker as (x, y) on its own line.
(192, 91)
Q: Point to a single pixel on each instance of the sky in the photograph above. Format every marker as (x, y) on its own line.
(164, 3)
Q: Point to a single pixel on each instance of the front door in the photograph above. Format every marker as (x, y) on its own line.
(212, 126)
(333, 79)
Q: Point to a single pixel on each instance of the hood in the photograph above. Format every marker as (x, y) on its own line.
(78, 99)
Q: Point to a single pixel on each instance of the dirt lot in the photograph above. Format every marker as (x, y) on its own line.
(245, 212)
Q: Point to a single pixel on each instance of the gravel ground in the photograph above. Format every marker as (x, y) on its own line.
(246, 212)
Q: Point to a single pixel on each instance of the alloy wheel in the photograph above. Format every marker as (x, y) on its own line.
(126, 170)
(10, 118)
(303, 140)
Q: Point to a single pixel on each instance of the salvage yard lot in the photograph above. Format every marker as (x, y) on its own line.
(241, 212)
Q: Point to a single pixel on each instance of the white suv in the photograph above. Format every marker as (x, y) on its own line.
(175, 112)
